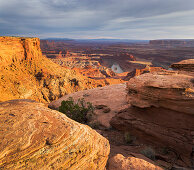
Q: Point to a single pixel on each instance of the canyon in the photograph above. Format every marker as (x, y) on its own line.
(26, 74)
(142, 95)
(128, 55)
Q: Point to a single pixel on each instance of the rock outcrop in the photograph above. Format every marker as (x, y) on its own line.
(162, 111)
(137, 72)
(36, 137)
(185, 65)
(112, 97)
(130, 163)
(26, 74)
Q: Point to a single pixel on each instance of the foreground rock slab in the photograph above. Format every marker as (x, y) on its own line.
(33, 136)
(111, 98)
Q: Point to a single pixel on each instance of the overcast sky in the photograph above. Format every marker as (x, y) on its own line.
(126, 19)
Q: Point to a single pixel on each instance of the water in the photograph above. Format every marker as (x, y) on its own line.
(116, 68)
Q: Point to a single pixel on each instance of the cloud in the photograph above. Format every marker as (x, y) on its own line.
(140, 19)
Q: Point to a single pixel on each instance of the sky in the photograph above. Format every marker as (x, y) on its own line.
(95, 19)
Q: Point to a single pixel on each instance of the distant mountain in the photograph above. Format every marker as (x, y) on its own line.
(103, 40)
(114, 40)
(58, 39)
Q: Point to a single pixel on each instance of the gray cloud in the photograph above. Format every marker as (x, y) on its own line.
(132, 19)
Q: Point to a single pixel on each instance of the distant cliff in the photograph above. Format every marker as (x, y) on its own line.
(26, 74)
(182, 43)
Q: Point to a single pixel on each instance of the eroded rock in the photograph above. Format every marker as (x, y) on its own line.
(130, 163)
(33, 136)
(185, 65)
(162, 111)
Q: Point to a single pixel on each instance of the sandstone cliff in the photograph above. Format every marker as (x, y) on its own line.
(35, 137)
(162, 111)
(26, 74)
(138, 72)
(173, 43)
(185, 65)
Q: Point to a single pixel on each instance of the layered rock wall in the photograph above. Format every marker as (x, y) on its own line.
(162, 111)
(185, 65)
(188, 43)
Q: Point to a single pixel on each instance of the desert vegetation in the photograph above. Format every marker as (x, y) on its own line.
(79, 111)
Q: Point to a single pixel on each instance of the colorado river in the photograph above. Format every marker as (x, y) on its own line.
(116, 68)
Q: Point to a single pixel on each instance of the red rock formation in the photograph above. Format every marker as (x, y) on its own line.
(130, 163)
(138, 72)
(96, 73)
(90, 72)
(185, 65)
(60, 55)
(162, 111)
(126, 56)
(36, 137)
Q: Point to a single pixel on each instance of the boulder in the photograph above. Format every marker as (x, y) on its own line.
(33, 136)
(169, 90)
(130, 163)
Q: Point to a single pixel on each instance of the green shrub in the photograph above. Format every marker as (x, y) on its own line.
(77, 111)
(149, 153)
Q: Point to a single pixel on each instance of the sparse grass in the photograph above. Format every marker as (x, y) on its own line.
(149, 153)
(77, 111)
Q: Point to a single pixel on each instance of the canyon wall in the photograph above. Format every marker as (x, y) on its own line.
(185, 65)
(182, 43)
(161, 111)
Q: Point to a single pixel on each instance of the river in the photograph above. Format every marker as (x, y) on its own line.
(116, 68)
